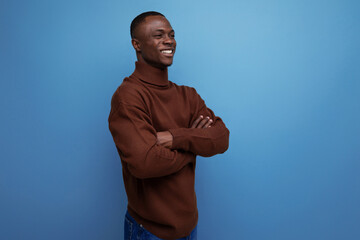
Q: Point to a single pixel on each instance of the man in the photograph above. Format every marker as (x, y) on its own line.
(159, 128)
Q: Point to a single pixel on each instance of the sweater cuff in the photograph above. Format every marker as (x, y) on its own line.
(179, 139)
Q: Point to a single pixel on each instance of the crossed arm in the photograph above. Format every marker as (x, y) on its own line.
(149, 154)
(165, 138)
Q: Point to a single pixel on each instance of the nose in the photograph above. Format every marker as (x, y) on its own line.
(169, 40)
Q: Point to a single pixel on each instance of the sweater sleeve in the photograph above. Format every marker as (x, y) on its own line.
(204, 142)
(135, 139)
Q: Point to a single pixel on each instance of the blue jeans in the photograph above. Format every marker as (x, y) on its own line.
(135, 231)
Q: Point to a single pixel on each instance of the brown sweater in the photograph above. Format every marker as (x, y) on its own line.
(159, 182)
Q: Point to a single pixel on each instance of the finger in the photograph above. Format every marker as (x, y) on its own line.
(197, 121)
(208, 123)
(203, 122)
(157, 138)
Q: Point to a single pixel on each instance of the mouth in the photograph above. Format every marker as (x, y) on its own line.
(168, 52)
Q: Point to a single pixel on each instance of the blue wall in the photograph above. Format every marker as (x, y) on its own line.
(283, 75)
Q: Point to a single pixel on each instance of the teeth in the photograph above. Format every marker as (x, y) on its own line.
(167, 51)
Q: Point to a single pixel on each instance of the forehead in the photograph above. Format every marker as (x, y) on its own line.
(153, 23)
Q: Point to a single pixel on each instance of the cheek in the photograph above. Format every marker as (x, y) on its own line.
(149, 49)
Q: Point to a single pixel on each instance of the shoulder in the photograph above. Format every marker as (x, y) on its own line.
(190, 94)
(128, 92)
(186, 90)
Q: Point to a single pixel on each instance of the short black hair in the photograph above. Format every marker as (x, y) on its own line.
(140, 18)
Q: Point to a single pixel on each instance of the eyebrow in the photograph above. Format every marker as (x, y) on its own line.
(162, 30)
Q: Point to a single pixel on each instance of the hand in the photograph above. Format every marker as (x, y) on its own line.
(202, 122)
(164, 139)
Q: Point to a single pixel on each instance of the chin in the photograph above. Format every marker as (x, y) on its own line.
(168, 64)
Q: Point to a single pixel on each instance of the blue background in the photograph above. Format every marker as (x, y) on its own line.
(283, 75)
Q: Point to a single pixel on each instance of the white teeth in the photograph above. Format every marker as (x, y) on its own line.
(167, 51)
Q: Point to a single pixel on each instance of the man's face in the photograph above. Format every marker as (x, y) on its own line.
(155, 42)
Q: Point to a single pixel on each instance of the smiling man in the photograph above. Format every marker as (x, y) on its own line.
(159, 128)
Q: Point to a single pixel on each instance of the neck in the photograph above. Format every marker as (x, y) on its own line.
(150, 74)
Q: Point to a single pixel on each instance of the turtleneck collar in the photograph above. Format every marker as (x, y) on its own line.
(150, 74)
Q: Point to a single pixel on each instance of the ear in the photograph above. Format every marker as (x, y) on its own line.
(136, 44)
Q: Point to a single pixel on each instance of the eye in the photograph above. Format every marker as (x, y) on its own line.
(158, 35)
